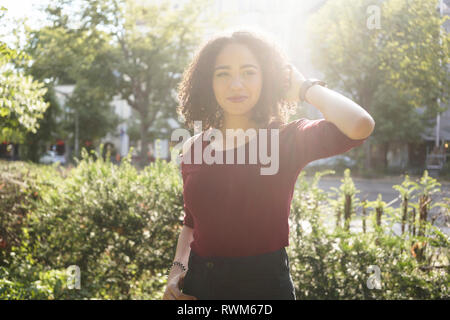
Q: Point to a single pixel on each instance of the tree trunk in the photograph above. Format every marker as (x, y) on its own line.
(364, 218)
(405, 212)
(379, 212)
(347, 211)
(33, 149)
(368, 154)
(144, 142)
(385, 152)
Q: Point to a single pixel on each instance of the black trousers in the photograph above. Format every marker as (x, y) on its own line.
(261, 277)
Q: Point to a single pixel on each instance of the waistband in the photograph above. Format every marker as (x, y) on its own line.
(274, 257)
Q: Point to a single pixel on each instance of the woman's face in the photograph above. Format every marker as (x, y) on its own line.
(237, 79)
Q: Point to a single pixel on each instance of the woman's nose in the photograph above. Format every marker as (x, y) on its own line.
(236, 83)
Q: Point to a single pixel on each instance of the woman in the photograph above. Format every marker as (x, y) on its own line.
(232, 245)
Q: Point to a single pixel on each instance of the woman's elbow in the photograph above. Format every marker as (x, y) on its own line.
(363, 127)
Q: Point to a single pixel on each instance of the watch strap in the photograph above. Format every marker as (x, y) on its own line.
(308, 84)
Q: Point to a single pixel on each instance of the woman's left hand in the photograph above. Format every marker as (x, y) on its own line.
(293, 81)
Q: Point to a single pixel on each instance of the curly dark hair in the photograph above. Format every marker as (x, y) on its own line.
(196, 94)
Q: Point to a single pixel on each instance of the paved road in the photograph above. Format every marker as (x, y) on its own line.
(370, 188)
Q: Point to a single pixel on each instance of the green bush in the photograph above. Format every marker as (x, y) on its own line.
(21, 187)
(120, 227)
(117, 225)
(331, 261)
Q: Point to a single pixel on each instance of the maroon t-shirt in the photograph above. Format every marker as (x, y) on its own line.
(235, 210)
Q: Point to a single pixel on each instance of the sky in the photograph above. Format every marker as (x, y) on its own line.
(23, 8)
(19, 9)
(269, 15)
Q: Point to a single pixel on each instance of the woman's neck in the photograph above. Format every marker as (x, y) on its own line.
(237, 122)
(234, 123)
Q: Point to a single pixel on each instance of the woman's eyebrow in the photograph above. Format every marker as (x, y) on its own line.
(242, 67)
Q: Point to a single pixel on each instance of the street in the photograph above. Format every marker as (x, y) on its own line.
(370, 188)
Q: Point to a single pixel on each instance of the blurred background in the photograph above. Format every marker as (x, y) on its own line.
(99, 77)
(80, 73)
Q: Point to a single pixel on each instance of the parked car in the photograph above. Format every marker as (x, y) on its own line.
(51, 156)
(333, 162)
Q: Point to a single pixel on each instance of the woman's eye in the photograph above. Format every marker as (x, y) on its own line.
(247, 73)
(221, 74)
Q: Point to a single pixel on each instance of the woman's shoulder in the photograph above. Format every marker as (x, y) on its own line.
(288, 125)
(189, 142)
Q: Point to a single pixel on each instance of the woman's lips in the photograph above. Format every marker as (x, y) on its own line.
(237, 99)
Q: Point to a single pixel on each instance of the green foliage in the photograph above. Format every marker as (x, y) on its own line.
(391, 70)
(49, 131)
(63, 54)
(332, 263)
(21, 97)
(120, 227)
(154, 44)
(108, 48)
(415, 49)
(21, 277)
(21, 105)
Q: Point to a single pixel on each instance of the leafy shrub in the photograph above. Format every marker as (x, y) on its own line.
(120, 227)
(112, 222)
(334, 262)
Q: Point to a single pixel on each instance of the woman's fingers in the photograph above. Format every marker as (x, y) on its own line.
(181, 280)
(292, 83)
(178, 295)
(287, 77)
(168, 295)
(186, 297)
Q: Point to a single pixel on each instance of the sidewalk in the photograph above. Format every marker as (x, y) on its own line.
(398, 179)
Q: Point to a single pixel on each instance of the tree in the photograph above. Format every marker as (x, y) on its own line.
(391, 70)
(21, 97)
(49, 129)
(63, 54)
(128, 48)
(154, 43)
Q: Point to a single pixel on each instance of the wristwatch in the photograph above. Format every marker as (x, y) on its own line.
(308, 84)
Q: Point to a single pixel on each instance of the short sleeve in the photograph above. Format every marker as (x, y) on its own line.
(317, 139)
